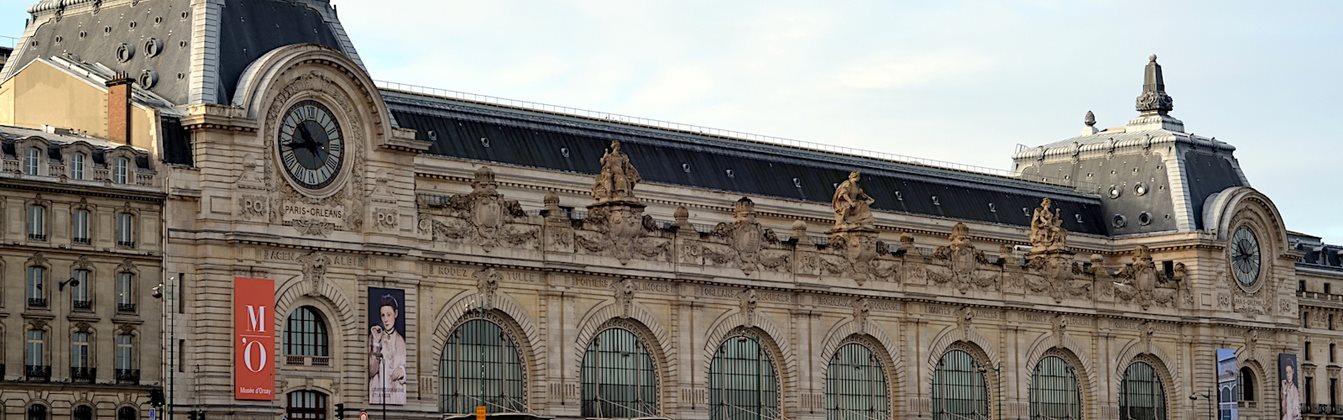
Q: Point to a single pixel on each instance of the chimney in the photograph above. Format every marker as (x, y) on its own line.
(119, 108)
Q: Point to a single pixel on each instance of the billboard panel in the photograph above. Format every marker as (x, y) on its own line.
(1289, 387)
(253, 339)
(386, 346)
(1228, 387)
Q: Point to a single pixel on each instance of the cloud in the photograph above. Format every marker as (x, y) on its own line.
(898, 70)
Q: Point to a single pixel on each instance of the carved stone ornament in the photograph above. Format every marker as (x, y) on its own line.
(749, 301)
(1056, 275)
(857, 254)
(487, 283)
(621, 230)
(482, 216)
(1139, 282)
(967, 315)
(314, 271)
(617, 178)
(861, 309)
(625, 297)
(743, 243)
(1047, 233)
(341, 208)
(1060, 328)
(960, 263)
(853, 207)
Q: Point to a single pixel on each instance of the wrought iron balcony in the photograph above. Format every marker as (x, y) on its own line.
(81, 241)
(126, 308)
(37, 373)
(37, 236)
(126, 244)
(128, 376)
(83, 375)
(82, 304)
(37, 302)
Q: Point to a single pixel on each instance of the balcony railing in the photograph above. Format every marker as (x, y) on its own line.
(37, 302)
(126, 244)
(83, 305)
(81, 241)
(37, 373)
(307, 360)
(128, 376)
(128, 308)
(83, 374)
(37, 236)
(1330, 297)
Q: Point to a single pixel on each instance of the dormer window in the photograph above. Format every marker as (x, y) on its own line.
(77, 166)
(120, 167)
(32, 162)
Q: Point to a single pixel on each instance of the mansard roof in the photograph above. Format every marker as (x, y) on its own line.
(195, 51)
(558, 141)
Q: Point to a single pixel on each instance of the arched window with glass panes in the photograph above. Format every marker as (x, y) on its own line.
(1054, 390)
(1247, 384)
(1142, 395)
(127, 413)
(482, 364)
(742, 381)
(305, 405)
(856, 386)
(37, 411)
(620, 376)
(959, 387)
(305, 337)
(82, 412)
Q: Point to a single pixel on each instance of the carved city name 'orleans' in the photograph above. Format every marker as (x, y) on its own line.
(292, 209)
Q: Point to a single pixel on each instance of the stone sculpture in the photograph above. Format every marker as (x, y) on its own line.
(853, 207)
(617, 178)
(1047, 233)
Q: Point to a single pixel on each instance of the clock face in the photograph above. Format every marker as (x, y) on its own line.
(311, 146)
(1245, 257)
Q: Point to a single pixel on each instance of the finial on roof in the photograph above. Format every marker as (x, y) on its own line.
(1154, 98)
(1090, 119)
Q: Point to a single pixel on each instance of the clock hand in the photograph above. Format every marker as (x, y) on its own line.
(308, 142)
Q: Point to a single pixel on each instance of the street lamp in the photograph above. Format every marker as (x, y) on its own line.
(165, 297)
(1205, 396)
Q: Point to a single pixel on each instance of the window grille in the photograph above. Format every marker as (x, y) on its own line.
(481, 365)
(1141, 395)
(742, 382)
(306, 405)
(619, 377)
(305, 333)
(958, 388)
(1054, 393)
(855, 385)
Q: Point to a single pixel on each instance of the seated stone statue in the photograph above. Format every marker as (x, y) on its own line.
(853, 207)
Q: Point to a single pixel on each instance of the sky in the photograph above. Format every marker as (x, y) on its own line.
(958, 81)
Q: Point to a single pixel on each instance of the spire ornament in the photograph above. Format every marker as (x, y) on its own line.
(1089, 119)
(1154, 99)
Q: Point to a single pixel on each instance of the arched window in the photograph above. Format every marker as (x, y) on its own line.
(305, 333)
(619, 378)
(1246, 384)
(1141, 395)
(742, 382)
(37, 411)
(83, 412)
(1054, 391)
(306, 405)
(481, 365)
(127, 413)
(958, 388)
(855, 385)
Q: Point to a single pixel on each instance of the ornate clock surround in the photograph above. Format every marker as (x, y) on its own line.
(1265, 263)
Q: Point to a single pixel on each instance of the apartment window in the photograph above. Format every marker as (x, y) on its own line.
(125, 229)
(37, 222)
(124, 359)
(33, 162)
(79, 293)
(37, 286)
(79, 350)
(79, 226)
(125, 292)
(1307, 352)
(77, 166)
(35, 349)
(120, 169)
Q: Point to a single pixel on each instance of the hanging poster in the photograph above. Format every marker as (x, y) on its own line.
(1289, 390)
(386, 346)
(1228, 387)
(253, 339)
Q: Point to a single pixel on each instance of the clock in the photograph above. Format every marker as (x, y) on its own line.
(311, 147)
(1245, 256)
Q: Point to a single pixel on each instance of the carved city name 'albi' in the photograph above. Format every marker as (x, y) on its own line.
(852, 250)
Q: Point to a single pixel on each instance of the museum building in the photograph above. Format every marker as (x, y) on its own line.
(213, 202)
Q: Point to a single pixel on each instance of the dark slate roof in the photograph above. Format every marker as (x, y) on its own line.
(514, 136)
(1316, 253)
(235, 33)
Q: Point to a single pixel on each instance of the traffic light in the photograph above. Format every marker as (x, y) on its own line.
(156, 397)
(340, 411)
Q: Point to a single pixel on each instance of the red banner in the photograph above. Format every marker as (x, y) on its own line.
(253, 339)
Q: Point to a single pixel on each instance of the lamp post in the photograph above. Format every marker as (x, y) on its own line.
(1206, 397)
(166, 298)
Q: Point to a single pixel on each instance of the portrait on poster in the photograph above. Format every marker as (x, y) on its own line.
(386, 346)
(1291, 392)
